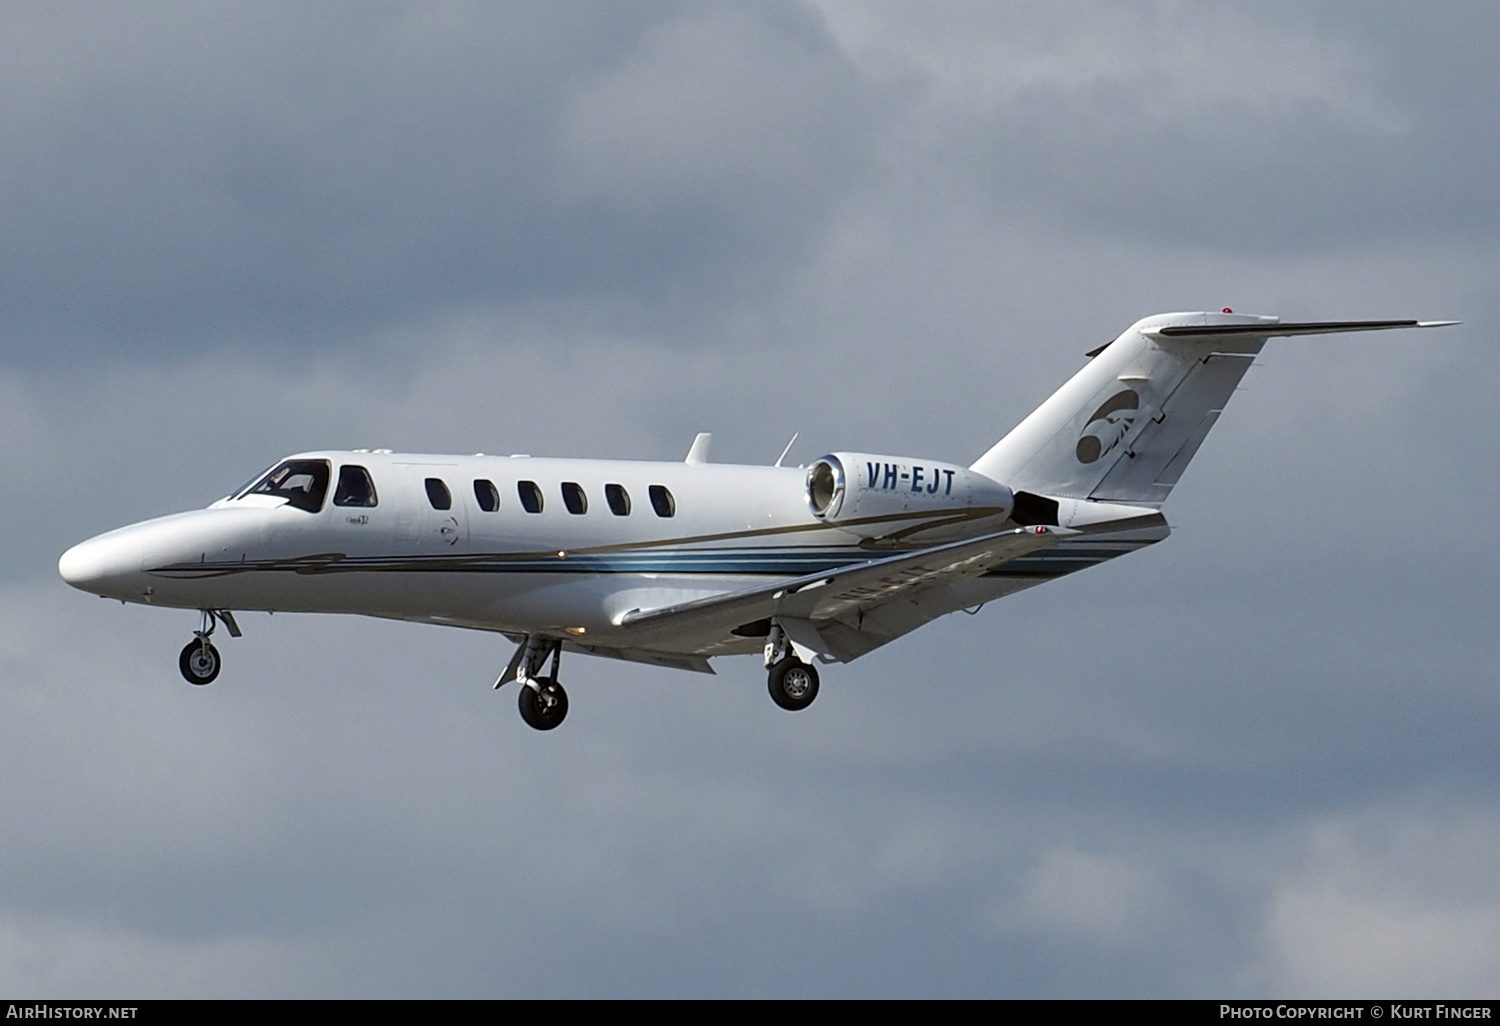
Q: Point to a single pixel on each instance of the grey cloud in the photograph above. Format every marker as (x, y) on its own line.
(1286, 129)
(1173, 775)
(184, 177)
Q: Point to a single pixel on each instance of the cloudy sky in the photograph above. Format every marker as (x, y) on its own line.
(1259, 759)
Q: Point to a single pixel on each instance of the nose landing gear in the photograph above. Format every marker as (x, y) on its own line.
(199, 661)
(543, 702)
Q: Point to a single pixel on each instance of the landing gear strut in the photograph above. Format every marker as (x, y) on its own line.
(543, 702)
(199, 661)
(793, 683)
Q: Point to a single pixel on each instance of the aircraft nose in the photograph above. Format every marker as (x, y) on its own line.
(102, 565)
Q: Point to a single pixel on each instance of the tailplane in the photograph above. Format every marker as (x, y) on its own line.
(1124, 427)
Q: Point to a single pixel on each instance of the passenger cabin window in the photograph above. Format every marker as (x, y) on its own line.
(354, 488)
(531, 496)
(662, 501)
(487, 495)
(618, 499)
(438, 494)
(574, 499)
(302, 483)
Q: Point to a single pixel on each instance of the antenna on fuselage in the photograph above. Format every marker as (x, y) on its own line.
(787, 449)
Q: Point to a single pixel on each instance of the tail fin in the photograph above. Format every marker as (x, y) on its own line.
(1124, 428)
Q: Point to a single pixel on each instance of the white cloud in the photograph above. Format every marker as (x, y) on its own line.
(1392, 903)
(1078, 893)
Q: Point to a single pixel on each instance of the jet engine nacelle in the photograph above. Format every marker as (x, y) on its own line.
(874, 496)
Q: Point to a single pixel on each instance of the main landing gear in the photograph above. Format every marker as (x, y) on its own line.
(793, 683)
(199, 661)
(543, 702)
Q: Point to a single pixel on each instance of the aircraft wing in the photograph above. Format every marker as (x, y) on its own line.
(818, 608)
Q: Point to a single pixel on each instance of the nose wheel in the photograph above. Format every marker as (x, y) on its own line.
(199, 662)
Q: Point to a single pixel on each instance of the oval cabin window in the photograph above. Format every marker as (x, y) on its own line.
(531, 496)
(618, 499)
(662, 501)
(487, 495)
(438, 494)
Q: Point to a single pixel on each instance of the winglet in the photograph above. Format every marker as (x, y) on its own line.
(699, 451)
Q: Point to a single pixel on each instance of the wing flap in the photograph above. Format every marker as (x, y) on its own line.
(844, 593)
(674, 660)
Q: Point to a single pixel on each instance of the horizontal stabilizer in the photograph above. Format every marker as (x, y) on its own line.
(1274, 330)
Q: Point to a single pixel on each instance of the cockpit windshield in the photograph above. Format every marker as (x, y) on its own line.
(302, 483)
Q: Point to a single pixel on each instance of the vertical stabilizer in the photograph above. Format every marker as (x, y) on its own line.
(1124, 428)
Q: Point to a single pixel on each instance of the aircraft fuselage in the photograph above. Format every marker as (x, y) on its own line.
(605, 538)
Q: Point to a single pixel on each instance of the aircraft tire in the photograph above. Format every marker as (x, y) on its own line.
(537, 714)
(199, 663)
(793, 684)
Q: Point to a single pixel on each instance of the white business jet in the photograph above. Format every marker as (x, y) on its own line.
(676, 563)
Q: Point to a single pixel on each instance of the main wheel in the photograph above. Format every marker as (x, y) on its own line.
(199, 662)
(546, 710)
(793, 684)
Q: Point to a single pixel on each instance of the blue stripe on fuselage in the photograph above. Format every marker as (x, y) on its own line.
(1063, 559)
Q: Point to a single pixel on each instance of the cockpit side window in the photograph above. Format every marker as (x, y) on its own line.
(354, 488)
(302, 483)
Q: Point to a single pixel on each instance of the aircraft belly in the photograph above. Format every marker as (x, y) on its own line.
(522, 602)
